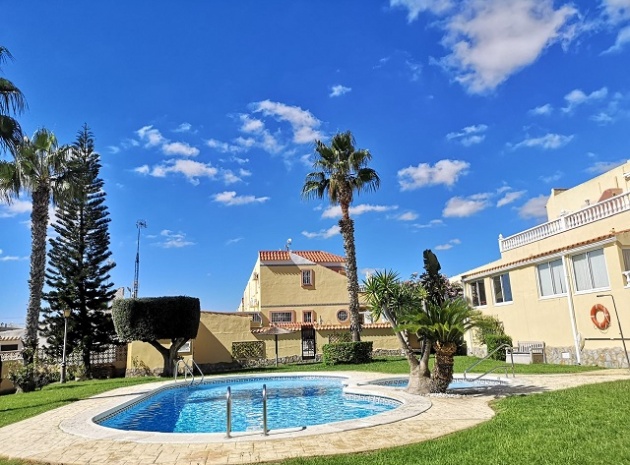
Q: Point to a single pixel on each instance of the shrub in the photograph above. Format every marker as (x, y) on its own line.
(28, 378)
(495, 340)
(347, 352)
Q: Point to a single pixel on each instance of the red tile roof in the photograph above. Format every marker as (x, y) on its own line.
(318, 327)
(316, 256)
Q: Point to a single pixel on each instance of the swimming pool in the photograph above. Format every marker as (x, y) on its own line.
(293, 401)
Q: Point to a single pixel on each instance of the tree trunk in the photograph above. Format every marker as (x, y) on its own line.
(424, 360)
(347, 231)
(443, 370)
(39, 223)
(168, 354)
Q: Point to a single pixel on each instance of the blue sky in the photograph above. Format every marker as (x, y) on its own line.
(205, 114)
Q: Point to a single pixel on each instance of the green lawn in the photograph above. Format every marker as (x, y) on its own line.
(584, 425)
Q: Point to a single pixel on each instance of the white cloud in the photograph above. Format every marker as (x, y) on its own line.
(11, 258)
(448, 245)
(323, 233)
(577, 97)
(623, 38)
(415, 7)
(174, 240)
(492, 39)
(603, 166)
(184, 127)
(151, 136)
(303, 123)
(339, 90)
(546, 109)
(251, 125)
(461, 207)
(415, 69)
(548, 141)
(534, 208)
(445, 172)
(16, 207)
(230, 199)
(552, 177)
(510, 197)
(233, 241)
(617, 10)
(430, 224)
(229, 177)
(407, 216)
(469, 135)
(192, 170)
(180, 148)
(356, 210)
(241, 145)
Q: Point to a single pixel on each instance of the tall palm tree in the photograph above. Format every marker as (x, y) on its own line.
(42, 169)
(340, 170)
(445, 324)
(396, 301)
(11, 102)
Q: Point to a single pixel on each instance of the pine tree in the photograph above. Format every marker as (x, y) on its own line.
(78, 270)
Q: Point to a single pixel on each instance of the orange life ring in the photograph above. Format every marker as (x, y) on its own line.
(603, 324)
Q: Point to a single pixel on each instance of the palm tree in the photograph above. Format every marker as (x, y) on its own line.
(445, 324)
(396, 301)
(340, 170)
(43, 169)
(11, 102)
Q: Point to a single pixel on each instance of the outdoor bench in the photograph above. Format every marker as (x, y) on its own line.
(527, 352)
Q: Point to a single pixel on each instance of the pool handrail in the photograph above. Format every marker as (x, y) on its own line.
(188, 370)
(228, 399)
(264, 399)
(501, 346)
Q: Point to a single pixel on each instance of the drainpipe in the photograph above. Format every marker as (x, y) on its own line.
(578, 355)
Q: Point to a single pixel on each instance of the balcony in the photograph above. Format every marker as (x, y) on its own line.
(590, 214)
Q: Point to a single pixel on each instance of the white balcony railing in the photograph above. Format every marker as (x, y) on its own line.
(590, 214)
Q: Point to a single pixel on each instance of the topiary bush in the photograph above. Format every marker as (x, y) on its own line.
(347, 352)
(495, 340)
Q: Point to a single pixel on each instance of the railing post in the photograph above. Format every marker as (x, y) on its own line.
(264, 395)
(228, 397)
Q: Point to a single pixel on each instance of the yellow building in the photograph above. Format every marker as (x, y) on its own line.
(305, 293)
(566, 282)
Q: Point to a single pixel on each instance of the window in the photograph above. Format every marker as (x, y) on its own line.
(307, 277)
(342, 315)
(626, 259)
(281, 317)
(307, 317)
(478, 293)
(551, 278)
(8, 347)
(502, 288)
(590, 270)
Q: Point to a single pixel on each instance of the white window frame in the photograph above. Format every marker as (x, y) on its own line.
(590, 255)
(307, 277)
(552, 281)
(501, 290)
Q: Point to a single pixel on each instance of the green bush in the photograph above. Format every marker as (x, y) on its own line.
(347, 352)
(28, 378)
(495, 340)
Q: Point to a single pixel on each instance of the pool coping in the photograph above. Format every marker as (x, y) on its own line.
(83, 424)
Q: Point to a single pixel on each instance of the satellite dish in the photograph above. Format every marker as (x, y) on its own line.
(288, 246)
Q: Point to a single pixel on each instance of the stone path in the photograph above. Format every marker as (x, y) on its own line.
(45, 438)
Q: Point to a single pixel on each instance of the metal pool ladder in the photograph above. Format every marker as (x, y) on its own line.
(506, 367)
(228, 398)
(188, 370)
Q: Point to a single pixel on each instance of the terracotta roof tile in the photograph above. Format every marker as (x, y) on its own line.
(318, 327)
(316, 256)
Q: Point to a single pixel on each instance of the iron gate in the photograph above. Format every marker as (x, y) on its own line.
(308, 343)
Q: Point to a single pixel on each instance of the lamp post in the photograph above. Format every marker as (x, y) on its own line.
(66, 315)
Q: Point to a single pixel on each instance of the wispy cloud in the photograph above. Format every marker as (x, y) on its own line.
(430, 224)
(470, 135)
(534, 208)
(449, 245)
(233, 241)
(16, 207)
(509, 197)
(600, 167)
(623, 38)
(545, 109)
(323, 233)
(552, 177)
(184, 127)
(407, 216)
(152, 137)
(230, 199)
(461, 207)
(338, 90)
(548, 141)
(445, 172)
(303, 123)
(415, 7)
(356, 210)
(172, 240)
(192, 170)
(577, 97)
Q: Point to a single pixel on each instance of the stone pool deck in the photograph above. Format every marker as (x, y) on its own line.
(63, 436)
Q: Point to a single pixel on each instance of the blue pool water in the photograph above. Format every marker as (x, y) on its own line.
(291, 402)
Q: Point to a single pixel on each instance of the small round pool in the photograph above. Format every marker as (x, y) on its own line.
(292, 401)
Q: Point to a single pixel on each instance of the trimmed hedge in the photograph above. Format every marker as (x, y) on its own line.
(347, 352)
(495, 340)
(152, 318)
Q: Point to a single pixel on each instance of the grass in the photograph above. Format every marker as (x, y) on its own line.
(575, 426)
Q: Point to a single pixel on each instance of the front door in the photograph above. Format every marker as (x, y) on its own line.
(308, 343)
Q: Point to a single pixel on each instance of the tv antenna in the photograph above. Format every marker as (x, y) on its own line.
(134, 295)
(288, 246)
